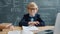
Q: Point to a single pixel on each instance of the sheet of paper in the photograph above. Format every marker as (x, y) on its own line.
(14, 32)
(27, 32)
(29, 28)
(20, 32)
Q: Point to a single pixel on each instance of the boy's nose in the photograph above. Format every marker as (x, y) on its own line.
(32, 10)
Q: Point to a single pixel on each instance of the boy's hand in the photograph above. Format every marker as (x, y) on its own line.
(36, 23)
(6, 26)
(33, 23)
(10, 26)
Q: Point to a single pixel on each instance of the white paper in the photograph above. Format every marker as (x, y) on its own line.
(14, 32)
(27, 32)
(29, 28)
(20, 32)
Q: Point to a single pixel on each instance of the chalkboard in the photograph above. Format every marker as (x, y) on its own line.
(11, 11)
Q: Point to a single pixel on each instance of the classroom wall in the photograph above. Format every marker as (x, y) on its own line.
(13, 10)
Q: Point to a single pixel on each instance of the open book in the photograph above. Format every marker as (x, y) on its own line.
(14, 32)
(26, 30)
(20, 32)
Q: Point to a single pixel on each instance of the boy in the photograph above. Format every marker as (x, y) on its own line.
(32, 18)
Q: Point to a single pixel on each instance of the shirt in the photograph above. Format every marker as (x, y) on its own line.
(26, 18)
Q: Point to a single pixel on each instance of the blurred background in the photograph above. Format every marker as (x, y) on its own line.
(11, 11)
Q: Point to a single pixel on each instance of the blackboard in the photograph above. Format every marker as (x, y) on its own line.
(11, 11)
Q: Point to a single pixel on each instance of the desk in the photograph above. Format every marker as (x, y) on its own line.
(44, 28)
(5, 31)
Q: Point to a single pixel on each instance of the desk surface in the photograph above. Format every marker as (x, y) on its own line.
(5, 31)
(44, 28)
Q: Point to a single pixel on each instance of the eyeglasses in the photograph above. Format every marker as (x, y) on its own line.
(32, 8)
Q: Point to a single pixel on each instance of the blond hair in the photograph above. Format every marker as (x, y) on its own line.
(32, 5)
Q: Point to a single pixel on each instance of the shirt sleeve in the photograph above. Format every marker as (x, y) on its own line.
(42, 23)
(23, 22)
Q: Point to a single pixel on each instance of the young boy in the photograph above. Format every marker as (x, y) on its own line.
(32, 18)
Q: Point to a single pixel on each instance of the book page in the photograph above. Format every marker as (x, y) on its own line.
(14, 32)
(20, 32)
(29, 28)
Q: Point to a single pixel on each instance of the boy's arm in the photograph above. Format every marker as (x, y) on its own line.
(42, 23)
(23, 22)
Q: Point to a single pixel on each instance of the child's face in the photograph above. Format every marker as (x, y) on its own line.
(32, 11)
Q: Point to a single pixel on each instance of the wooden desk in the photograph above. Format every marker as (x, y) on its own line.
(5, 31)
(43, 28)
